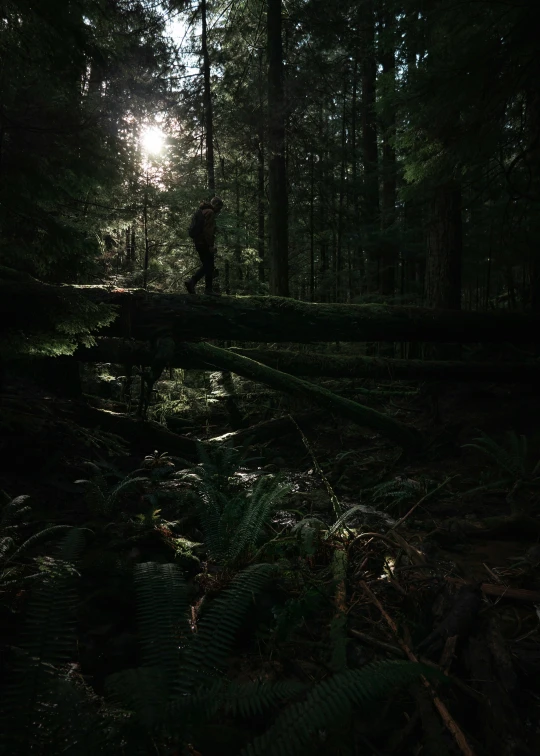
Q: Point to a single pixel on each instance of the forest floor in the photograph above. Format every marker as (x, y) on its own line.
(439, 558)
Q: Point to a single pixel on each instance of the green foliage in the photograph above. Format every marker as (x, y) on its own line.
(232, 518)
(330, 704)
(180, 684)
(14, 554)
(102, 497)
(46, 645)
(57, 326)
(516, 469)
(217, 629)
(398, 494)
(308, 532)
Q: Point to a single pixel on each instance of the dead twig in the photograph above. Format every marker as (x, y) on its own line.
(502, 591)
(422, 500)
(449, 722)
(376, 643)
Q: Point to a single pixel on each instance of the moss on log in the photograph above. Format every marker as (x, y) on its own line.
(261, 319)
(124, 351)
(269, 429)
(221, 359)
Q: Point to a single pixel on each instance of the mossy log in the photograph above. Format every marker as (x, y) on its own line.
(311, 365)
(142, 435)
(33, 305)
(222, 359)
(270, 429)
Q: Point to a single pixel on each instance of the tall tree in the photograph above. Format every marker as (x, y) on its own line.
(370, 197)
(277, 179)
(208, 110)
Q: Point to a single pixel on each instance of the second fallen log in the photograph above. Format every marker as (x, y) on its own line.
(221, 359)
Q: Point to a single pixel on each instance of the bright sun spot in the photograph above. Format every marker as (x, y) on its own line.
(152, 140)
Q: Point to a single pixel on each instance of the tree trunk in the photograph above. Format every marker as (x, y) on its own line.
(238, 242)
(357, 249)
(277, 178)
(388, 214)
(444, 249)
(311, 227)
(208, 114)
(214, 357)
(261, 201)
(311, 365)
(369, 128)
(146, 246)
(133, 245)
(260, 206)
(339, 246)
(148, 315)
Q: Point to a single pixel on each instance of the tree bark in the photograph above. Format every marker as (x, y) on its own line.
(150, 315)
(444, 249)
(306, 364)
(221, 359)
(389, 193)
(261, 201)
(208, 113)
(270, 429)
(277, 176)
(342, 175)
(370, 204)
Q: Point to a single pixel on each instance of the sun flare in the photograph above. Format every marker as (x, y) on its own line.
(152, 140)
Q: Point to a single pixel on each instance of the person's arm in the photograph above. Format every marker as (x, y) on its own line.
(209, 229)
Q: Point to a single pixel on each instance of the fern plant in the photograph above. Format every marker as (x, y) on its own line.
(330, 704)
(517, 470)
(180, 683)
(102, 497)
(232, 518)
(13, 554)
(161, 706)
(398, 494)
(34, 698)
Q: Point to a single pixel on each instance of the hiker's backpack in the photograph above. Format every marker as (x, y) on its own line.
(197, 224)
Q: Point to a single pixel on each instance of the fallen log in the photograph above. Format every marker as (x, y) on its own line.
(142, 314)
(269, 429)
(142, 435)
(503, 591)
(222, 359)
(308, 364)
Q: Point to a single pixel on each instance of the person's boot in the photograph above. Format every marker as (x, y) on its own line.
(190, 286)
(212, 293)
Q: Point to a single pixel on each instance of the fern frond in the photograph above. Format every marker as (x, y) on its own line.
(72, 545)
(263, 502)
(43, 535)
(122, 487)
(330, 703)
(243, 699)
(13, 511)
(512, 460)
(214, 640)
(143, 692)
(162, 615)
(48, 640)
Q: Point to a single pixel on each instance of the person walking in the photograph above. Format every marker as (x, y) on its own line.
(203, 232)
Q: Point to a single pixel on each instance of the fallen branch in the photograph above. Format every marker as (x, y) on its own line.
(449, 722)
(269, 429)
(311, 365)
(502, 591)
(214, 357)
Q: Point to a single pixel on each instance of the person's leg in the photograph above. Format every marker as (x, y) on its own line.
(208, 264)
(196, 277)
